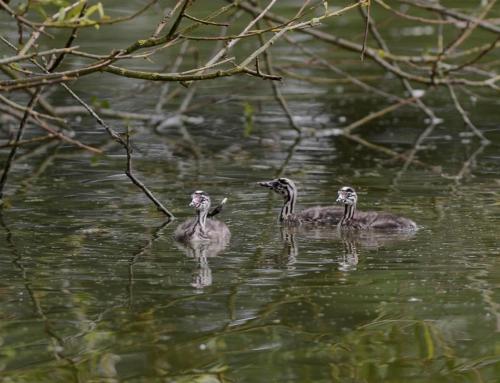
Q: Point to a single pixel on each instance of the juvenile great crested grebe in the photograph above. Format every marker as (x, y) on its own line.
(318, 215)
(202, 228)
(369, 219)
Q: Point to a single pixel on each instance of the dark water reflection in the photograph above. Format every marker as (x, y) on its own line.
(107, 295)
(94, 288)
(200, 252)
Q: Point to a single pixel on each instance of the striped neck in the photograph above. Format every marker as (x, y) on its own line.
(348, 214)
(288, 208)
(201, 218)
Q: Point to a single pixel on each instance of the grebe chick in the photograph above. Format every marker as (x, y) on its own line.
(318, 215)
(381, 220)
(201, 227)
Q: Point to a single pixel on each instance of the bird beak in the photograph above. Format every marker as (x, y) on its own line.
(340, 198)
(266, 184)
(195, 202)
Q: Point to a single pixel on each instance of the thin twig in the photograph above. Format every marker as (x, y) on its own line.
(465, 117)
(433, 6)
(406, 84)
(388, 152)
(91, 23)
(143, 250)
(374, 54)
(467, 165)
(139, 184)
(472, 61)
(65, 138)
(49, 52)
(363, 121)
(165, 19)
(20, 19)
(367, 28)
(412, 153)
(15, 105)
(177, 22)
(233, 42)
(19, 136)
(206, 22)
(424, 20)
(28, 142)
(276, 90)
(31, 105)
(174, 68)
(344, 74)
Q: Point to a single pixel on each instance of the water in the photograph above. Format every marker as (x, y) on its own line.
(93, 287)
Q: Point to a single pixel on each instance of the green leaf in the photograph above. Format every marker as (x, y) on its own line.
(248, 112)
(41, 11)
(74, 13)
(95, 8)
(98, 103)
(94, 160)
(62, 15)
(429, 342)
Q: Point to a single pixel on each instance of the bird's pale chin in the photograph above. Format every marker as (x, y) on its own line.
(344, 201)
(196, 203)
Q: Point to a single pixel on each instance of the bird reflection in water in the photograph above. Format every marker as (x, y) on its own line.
(290, 248)
(200, 252)
(352, 242)
(202, 237)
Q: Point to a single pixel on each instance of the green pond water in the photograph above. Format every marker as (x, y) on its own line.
(94, 288)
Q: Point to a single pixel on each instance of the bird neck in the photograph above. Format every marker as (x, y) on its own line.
(201, 218)
(348, 214)
(289, 206)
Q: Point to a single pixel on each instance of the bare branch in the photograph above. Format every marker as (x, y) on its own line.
(363, 121)
(367, 28)
(139, 184)
(49, 52)
(465, 117)
(206, 22)
(432, 6)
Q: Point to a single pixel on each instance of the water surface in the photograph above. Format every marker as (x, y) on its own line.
(94, 288)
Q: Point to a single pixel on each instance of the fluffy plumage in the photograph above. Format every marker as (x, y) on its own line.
(318, 215)
(381, 220)
(202, 228)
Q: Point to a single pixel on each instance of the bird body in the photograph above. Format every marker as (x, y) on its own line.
(362, 220)
(201, 227)
(192, 230)
(318, 215)
(380, 220)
